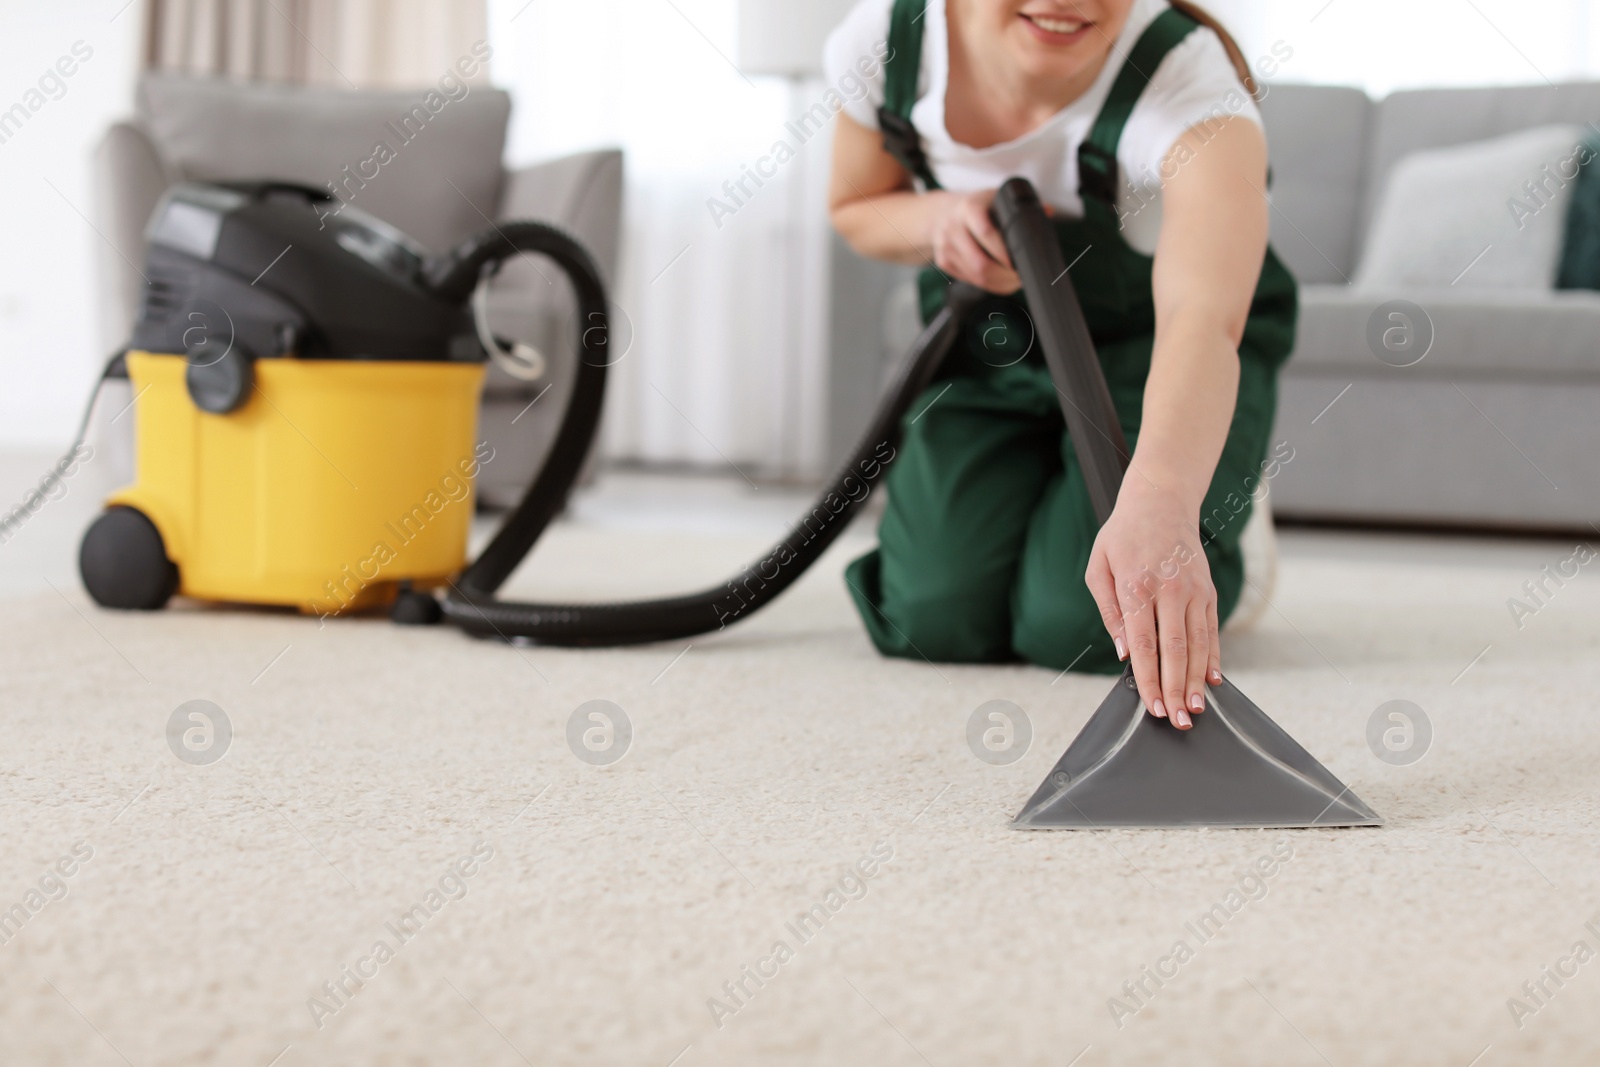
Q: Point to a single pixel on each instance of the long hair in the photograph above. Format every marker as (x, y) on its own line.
(1235, 53)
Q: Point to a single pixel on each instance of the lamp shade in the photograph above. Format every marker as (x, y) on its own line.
(785, 37)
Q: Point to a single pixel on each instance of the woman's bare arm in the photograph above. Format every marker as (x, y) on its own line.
(1208, 259)
(874, 207)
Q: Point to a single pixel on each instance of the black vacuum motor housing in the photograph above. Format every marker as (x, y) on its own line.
(344, 286)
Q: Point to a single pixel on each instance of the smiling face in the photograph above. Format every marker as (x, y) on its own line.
(1052, 39)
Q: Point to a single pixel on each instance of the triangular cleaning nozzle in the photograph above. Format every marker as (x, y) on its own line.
(1234, 767)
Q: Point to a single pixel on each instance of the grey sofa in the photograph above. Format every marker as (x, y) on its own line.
(1496, 426)
(444, 184)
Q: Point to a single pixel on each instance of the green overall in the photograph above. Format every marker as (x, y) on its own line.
(986, 537)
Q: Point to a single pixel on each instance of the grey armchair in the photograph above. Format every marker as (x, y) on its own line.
(441, 181)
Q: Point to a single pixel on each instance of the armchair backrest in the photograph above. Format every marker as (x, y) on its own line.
(421, 161)
(417, 160)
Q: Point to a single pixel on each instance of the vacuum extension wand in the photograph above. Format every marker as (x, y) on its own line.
(472, 604)
(1069, 351)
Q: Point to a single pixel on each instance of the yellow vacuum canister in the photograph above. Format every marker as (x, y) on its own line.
(305, 411)
(333, 481)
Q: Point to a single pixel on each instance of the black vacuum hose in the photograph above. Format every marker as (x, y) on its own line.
(455, 279)
(471, 603)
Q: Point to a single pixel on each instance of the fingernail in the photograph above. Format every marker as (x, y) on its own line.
(1180, 718)
(1216, 676)
(1197, 702)
(1159, 710)
(1122, 649)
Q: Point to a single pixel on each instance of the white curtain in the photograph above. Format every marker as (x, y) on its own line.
(367, 44)
(726, 361)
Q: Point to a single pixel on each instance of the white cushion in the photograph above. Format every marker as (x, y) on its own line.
(1467, 216)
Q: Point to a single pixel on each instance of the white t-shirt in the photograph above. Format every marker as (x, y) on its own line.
(1195, 82)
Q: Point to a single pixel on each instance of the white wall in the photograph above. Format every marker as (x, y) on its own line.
(49, 339)
(1385, 45)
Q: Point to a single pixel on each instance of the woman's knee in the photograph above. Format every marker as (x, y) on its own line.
(929, 613)
(952, 616)
(1061, 628)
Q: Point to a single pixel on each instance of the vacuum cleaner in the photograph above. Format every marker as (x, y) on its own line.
(306, 392)
(306, 389)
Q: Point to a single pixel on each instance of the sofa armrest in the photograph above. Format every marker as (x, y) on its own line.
(580, 193)
(528, 300)
(129, 177)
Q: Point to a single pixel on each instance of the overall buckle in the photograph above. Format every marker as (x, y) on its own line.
(1097, 173)
(901, 140)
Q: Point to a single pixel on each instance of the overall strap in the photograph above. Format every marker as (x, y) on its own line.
(901, 70)
(1097, 155)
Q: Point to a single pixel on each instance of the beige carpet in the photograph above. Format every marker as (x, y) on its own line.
(605, 906)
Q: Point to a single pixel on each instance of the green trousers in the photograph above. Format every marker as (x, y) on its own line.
(984, 544)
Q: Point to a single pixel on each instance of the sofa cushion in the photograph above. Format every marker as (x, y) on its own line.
(219, 130)
(1317, 137)
(1509, 336)
(1432, 118)
(1487, 214)
(1580, 252)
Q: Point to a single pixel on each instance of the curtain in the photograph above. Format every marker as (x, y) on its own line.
(367, 44)
(723, 317)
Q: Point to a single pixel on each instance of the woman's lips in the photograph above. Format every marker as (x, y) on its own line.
(1055, 31)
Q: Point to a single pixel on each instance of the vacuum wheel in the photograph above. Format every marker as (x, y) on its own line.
(124, 563)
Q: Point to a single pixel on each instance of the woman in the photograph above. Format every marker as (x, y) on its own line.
(1133, 120)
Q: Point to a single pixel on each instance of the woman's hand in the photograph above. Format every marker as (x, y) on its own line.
(1152, 584)
(875, 209)
(1146, 571)
(966, 244)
